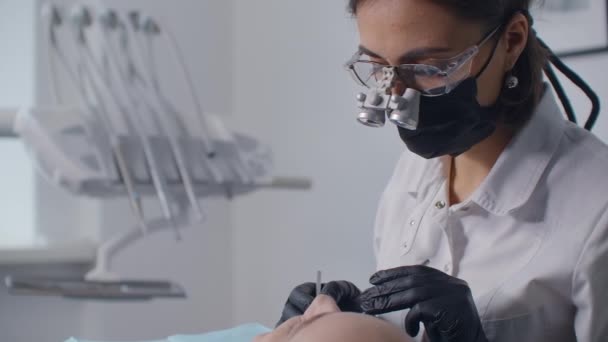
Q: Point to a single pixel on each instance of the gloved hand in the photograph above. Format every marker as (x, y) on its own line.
(344, 293)
(443, 303)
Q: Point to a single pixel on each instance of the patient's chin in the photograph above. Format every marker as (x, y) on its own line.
(350, 327)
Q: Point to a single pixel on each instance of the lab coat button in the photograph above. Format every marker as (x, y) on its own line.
(412, 223)
(440, 205)
(446, 268)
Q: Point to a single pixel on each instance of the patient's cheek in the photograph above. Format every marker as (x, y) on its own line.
(321, 305)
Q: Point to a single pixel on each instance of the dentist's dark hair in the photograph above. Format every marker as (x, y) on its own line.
(516, 105)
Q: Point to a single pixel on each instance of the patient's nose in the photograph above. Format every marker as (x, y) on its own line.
(321, 305)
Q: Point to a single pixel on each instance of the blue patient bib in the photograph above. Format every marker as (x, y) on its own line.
(243, 333)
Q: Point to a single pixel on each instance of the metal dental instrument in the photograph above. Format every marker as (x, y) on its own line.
(208, 159)
(129, 77)
(151, 29)
(318, 284)
(151, 160)
(178, 150)
(55, 19)
(124, 173)
(81, 19)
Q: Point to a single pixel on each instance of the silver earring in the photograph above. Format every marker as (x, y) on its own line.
(512, 82)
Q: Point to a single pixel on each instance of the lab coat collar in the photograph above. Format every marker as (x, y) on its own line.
(431, 175)
(522, 164)
(516, 172)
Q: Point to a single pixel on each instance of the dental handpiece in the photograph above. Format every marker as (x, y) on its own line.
(137, 123)
(130, 79)
(152, 30)
(79, 18)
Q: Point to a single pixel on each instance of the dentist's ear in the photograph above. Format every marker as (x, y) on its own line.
(516, 39)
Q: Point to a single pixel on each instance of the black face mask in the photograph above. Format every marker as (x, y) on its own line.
(450, 124)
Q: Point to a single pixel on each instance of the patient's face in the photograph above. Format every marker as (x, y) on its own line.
(323, 322)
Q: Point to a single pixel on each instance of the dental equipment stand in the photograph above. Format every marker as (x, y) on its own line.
(100, 283)
(123, 137)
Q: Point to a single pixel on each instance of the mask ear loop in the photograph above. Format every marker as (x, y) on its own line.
(489, 60)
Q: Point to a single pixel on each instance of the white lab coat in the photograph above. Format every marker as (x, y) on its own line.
(532, 241)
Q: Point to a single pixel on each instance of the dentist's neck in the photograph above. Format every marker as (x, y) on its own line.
(471, 168)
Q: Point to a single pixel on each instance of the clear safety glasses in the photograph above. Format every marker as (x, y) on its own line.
(436, 78)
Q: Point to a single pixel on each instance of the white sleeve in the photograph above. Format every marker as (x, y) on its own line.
(590, 285)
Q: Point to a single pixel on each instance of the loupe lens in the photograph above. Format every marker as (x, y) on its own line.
(372, 118)
(403, 120)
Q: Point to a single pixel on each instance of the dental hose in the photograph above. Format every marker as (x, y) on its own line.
(577, 80)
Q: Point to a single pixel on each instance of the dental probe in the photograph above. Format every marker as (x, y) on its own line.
(318, 285)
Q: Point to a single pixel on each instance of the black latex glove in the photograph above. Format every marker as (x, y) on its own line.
(344, 293)
(443, 303)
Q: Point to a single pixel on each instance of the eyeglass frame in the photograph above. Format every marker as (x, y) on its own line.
(472, 52)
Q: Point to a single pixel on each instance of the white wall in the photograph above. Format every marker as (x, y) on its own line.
(291, 88)
(19, 315)
(201, 263)
(16, 88)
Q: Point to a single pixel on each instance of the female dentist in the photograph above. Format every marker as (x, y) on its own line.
(494, 225)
